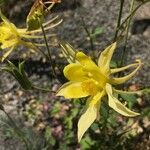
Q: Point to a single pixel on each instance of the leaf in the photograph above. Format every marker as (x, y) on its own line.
(113, 64)
(130, 98)
(113, 121)
(94, 127)
(97, 31)
(48, 136)
(87, 143)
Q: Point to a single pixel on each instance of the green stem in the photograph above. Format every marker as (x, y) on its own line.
(42, 89)
(49, 53)
(119, 19)
(90, 38)
(41, 52)
(122, 24)
(127, 33)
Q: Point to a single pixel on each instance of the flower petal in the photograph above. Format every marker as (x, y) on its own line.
(85, 61)
(90, 114)
(86, 120)
(74, 72)
(72, 90)
(105, 57)
(117, 105)
(8, 23)
(116, 70)
(127, 77)
(91, 68)
(9, 44)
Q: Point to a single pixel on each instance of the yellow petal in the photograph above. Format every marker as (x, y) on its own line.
(85, 61)
(117, 105)
(116, 70)
(74, 72)
(86, 120)
(72, 90)
(9, 24)
(105, 57)
(127, 77)
(91, 68)
(90, 114)
(9, 43)
(93, 100)
(4, 18)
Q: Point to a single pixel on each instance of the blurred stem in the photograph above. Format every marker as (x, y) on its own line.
(90, 38)
(119, 19)
(49, 52)
(41, 52)
(127, 33)
(18, 131)
(131, 14)
(42, 89)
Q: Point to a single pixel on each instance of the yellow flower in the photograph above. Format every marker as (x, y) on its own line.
(11, 36)
(88, 79)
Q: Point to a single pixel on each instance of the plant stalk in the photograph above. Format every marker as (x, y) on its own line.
(119, 19)
(49, 53)
(127, 33)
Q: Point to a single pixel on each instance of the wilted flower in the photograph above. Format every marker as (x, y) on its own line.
(11, 36)
(88, 79)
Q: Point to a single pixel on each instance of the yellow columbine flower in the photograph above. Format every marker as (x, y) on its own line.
(11, 36)
(88, 79)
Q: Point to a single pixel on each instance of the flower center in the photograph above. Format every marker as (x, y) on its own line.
(90, 86)
(99, 79)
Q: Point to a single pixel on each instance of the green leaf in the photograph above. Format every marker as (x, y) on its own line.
(113, 121)
(113, 64)
(48, 136)
(97, 31)
(86, 143)
(94, 126)
(130, 98)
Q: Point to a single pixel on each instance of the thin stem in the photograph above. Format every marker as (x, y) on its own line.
(89, 36)
(122, 24)
(42, 89)
(119, 19)
(49, 53)
(127, 34)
